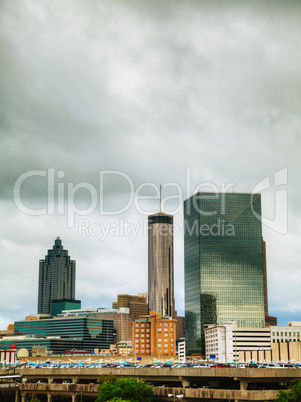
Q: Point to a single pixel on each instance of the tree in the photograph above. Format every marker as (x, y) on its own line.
(127, 389)
(293, 394)
(119, 400)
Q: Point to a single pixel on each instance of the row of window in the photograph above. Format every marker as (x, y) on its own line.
(290, 334)
(148, 324)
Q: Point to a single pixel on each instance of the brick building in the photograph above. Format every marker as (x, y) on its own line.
(154, 336)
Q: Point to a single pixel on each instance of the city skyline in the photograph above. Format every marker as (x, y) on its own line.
(187, 95)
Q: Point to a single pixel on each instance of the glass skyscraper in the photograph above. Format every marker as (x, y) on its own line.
(56, 278)
(160, 264)
(224, 269)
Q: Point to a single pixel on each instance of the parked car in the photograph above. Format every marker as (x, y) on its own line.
(252, 365)
(221, 365)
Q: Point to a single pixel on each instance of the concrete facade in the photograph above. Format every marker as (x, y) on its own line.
(230, 344)
(271, 344)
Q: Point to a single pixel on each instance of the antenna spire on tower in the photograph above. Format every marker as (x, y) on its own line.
(160, 197)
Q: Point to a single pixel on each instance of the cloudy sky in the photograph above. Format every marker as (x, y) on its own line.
(101, 101)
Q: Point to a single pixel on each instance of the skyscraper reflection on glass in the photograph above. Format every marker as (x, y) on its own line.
(224, 274)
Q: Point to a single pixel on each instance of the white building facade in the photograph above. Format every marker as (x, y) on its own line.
(226, 343)
(290, 333)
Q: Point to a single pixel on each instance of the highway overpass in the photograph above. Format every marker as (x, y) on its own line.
(211, 384)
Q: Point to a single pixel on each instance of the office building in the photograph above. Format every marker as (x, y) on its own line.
(136, 304)
(265, 278)
(288, 333)
(120, 316)
(226, 343)
(56, 277)
(57, 306)
(224, 257)
(61, 334)
(180, 326)
(154, 336)
(160, 264)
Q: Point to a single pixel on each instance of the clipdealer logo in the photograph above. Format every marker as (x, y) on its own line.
(64, 199)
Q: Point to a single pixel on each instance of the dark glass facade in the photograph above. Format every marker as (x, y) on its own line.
(224, 274)
(84, 333)
(56, 277)
(57, 306)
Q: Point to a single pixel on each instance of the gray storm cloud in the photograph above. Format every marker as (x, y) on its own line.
(149, 89)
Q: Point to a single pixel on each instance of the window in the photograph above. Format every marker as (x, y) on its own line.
(159, 345)
(159, 340)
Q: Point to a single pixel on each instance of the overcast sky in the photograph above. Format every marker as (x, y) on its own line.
(187, 93)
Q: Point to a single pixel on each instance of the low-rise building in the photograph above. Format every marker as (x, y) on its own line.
(124, 348)
(154, 335)
(226, 343)
(181, 350)
(120, 316)
(288, 333)
(60, 334)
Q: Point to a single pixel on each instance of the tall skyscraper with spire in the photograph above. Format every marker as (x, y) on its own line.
(160, 264)
(56, 278)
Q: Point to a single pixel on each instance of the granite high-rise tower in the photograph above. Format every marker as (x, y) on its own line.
(225, 273)
(56, 278)
(160, 264)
